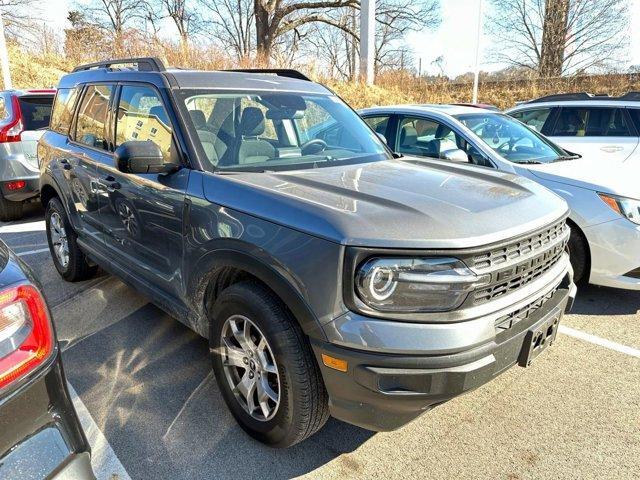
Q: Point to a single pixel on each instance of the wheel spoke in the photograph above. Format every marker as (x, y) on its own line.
(265, 391)
(234, 356)
(241, 335)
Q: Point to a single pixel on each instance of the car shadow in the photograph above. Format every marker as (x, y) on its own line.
(147, 383)
(594, 300)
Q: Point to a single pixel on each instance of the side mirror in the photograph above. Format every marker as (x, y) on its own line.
(382, 137)
(455, 155)
(138, 156)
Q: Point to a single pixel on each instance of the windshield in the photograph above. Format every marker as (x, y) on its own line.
(279, 131)
(511, 139)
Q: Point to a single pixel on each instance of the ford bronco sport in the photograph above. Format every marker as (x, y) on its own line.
(329, 277)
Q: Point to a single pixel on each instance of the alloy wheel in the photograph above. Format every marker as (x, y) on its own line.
(59, 239)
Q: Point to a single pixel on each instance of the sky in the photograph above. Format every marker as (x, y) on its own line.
(454, 39)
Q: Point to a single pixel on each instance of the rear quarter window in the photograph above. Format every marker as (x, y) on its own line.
(36, 111)
(62, 112)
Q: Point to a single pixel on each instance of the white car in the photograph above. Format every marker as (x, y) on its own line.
(597, 127)
(604, 197)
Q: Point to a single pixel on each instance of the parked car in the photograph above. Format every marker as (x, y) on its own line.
(24, 114)
(604, 200)
(40, 434)
(327, 275)
(598, 127)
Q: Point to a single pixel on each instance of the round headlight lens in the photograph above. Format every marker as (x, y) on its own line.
(381, 283)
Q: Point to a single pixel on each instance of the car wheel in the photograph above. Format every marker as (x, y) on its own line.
(69, 260)
(264, 365)
(9, 210)
(578, 252)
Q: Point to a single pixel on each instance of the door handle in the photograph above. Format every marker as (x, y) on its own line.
(111, 184)
(65, 164)
(611, 148)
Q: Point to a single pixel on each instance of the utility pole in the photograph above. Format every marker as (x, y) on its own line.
(476, 76)
(367, 40)
(4, 57)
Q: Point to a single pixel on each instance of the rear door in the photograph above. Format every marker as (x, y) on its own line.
(36, 114)
(595, 132)
(142, 214)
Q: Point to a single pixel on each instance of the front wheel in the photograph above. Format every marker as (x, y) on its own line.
(267, 374)
(71, 262)
(579, 257)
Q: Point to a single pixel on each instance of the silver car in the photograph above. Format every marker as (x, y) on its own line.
(24, 115)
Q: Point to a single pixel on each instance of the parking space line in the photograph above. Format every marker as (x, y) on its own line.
(603, 342)
(31, 252)
(106, 464)
(37, 226)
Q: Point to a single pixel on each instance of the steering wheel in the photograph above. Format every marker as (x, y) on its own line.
(313, 147)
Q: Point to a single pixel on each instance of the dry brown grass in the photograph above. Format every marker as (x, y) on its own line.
(30, 70)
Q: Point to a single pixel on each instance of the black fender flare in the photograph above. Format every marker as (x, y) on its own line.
(258, 264)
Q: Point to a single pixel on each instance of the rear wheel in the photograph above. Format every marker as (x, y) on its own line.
(72, 264)
(9, 210)
(579, 255)
(265, 368)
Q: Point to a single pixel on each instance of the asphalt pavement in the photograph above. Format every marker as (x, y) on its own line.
(153, 409)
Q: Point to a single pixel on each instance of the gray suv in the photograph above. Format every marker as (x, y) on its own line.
(330, 278)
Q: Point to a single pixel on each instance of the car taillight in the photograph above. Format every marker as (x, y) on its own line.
(12, 130)
(15, 185)
(26, 335)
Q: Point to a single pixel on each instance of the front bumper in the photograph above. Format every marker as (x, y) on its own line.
(615, 252)
(382, 391)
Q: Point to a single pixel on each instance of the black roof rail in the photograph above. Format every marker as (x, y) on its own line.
(629, 96)
(281, 72)
(144, 64)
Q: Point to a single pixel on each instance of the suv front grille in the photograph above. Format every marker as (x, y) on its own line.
(543, 251)
(526, 246)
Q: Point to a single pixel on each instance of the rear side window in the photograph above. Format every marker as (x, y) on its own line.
(91, 125)
(36, 111)
(533, 118)
(63, 110)
(591, 122)
(635, 116)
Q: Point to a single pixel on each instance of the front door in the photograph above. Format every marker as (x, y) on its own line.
(142, 214)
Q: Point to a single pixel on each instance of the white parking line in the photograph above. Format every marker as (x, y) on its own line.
(603, 342)
(38, 226)
(106, 465)
(31, 252)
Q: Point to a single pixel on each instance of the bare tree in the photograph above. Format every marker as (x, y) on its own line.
(275, 18)
(184, 16)
(554, 37)
(115, 16)
(20, 18)
(232, 23)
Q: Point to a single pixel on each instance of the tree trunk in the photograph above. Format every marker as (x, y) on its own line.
(264, 32)
(554, 34)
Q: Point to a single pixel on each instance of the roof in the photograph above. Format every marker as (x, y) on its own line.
(432, 108)
(151, 70)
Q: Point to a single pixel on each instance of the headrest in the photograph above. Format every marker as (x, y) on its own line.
(252, 122)
(198, 118)
(160, 113)
(408, 135)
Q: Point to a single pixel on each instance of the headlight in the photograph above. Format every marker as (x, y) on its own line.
(627, 207)
(415, 284)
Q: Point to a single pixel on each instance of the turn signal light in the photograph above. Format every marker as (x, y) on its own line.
(335, 363)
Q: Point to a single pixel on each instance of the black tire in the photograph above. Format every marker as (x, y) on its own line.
(9, 210)
(78, 267)
(579, 255)
(303, 407)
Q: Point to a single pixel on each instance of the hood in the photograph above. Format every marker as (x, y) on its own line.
(598, 175)
(395, 204)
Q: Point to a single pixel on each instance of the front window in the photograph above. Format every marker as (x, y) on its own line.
(511, 139)
(279, 131)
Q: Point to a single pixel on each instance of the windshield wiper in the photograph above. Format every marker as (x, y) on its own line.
(564, 158)
(531, 162)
